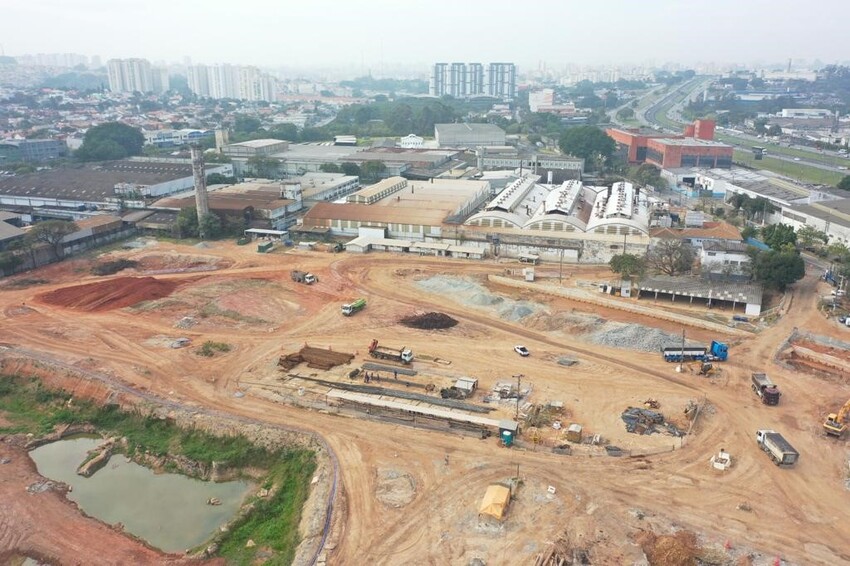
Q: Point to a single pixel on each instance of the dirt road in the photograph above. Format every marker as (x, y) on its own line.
(599, 502)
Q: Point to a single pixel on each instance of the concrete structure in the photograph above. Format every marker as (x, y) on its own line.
(9, 232)
(104, 185)
(200, 183)
(672, 153)
(317, 186)
(695, 148)
(437, 82)
(570, 222)
(263, 204)
(509, 157)
(464, 80)
(231, 81)
(723, 257)
(135, 75)
(254, 148)
(173, 138)
(688, 289)
(411, 141)
(805, 113)
(31, 150)
(408, 210)
(501, 80)
(468, 135)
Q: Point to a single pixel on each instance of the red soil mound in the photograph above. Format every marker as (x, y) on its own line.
(113, 294)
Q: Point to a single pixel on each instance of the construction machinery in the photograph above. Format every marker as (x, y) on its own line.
(775, 446)
(836, 423)
(403, 355)
(765, 389)
(349, 309)
(717, 351)
(303, 277)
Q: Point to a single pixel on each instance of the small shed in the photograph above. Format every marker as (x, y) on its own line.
(495, 502)
(508, 431)
(467, 385)
(574, 433)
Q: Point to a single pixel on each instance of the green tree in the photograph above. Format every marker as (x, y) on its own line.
(671, 257)
(330, 168)
(373, 170)
(112, 140)
(187, 223)
(627, 265)
(209, 226)
(9, 262)
(588, 142)
(351, 169)
(219, 179)
(625, 113)
(288, 132)
(774, 130)
(778, 235)
(808, 236)
(749, 232)
(649, 175)
(844, 183)
(778, 269)
(246, 125)
(52, 232)
(264, 166)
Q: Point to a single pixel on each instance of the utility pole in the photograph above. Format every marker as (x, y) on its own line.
(561, 268)
(518, 377)
(682, 358)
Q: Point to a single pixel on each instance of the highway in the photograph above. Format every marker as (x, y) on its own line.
(666, 115)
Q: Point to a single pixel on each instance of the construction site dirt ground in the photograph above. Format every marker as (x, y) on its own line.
(412, 495)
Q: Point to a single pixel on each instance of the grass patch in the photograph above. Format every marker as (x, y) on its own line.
(211, 309)
(793, 170)
(291, 478)
(113, 267)
(273, 521)
(23, 283)
(209, 348)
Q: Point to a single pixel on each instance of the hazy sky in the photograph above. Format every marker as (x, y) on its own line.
(354, 33)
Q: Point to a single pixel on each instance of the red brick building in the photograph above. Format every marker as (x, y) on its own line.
(694, 149)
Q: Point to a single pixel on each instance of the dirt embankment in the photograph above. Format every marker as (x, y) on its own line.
(113, 294)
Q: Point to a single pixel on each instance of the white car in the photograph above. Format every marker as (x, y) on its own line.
(521, 350)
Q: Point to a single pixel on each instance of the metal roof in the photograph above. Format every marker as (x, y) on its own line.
(750, 293)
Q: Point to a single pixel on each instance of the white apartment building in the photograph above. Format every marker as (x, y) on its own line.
(129, 75)
(469, 79)
(231, 81)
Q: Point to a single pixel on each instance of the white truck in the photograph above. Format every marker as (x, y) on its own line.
(303, 277)
(779, 449)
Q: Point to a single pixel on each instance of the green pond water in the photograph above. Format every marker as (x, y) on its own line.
(169, 511)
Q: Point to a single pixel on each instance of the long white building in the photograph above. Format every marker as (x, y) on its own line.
(136, 75)
(231, 81)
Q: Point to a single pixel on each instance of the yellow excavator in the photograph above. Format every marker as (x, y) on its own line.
(836, 424)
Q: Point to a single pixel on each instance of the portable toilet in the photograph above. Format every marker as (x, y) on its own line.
(507, 432)
(574, 433)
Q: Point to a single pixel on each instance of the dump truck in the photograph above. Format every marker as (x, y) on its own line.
(718, 351)
(766, 389)
(779, 449)
(403, 355)
(349, 309)
(303, 277)
(836, 423)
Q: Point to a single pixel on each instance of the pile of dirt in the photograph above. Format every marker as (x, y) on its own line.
(429, 321)
(394, 488)
(316, 358)
(107, 295)
(680, 548)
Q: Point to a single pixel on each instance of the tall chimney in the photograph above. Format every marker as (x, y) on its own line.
(201, 200)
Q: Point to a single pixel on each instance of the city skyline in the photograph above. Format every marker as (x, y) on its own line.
(368, 35)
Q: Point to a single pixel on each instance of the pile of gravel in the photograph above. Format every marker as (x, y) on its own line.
(472, 294)
(632, 337)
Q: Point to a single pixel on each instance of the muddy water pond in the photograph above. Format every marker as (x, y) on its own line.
(169, 511)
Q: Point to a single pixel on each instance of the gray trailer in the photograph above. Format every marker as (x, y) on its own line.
(779, 449)
(765, 389)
